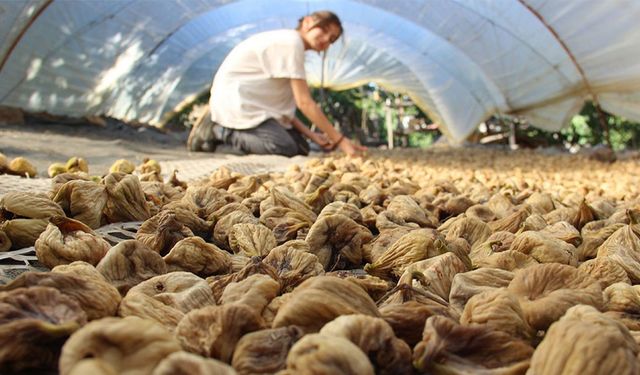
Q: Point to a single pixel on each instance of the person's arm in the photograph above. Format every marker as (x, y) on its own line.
(312, 111)
(319, 138)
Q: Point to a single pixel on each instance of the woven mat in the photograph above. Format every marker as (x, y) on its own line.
(13, 263)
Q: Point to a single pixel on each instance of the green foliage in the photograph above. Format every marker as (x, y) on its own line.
(586, 130)
(345, 109)
(421, 140)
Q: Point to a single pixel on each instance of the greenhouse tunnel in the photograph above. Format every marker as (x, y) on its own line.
(461, 61)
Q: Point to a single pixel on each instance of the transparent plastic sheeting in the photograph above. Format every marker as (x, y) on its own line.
(460, 60)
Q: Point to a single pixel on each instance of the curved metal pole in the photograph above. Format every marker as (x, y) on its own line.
(587, 85)
(26, 27)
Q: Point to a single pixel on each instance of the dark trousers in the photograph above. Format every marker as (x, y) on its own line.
(267, 138)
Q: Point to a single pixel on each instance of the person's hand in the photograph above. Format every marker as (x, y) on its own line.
(350, 148)
(321, 140)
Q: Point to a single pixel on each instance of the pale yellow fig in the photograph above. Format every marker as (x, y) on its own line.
(56, 169)
(150, 166)
(22, 167)
(122, 166)
(77, 164)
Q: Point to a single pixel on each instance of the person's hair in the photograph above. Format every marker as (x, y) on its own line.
(322, 18)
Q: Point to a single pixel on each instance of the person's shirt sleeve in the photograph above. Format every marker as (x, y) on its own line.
(284, 59)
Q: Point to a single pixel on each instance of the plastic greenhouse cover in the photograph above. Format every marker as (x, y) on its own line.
(460, 60)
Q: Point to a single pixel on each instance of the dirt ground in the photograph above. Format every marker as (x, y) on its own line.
(45, 143)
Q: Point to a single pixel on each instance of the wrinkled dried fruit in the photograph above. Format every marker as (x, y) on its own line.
(546, 291)
(96, 297)
(448, 347)
(412, 247)
(22, 167)
(337, 240)
(184, 363)
(161, 232)
(376, 339)
(468, 284)
(321, 299)
(545, 249)
(293, 263)
(605, 270)
(166, 298)
(130, 262)
(213, 331)
(265, 351)
(126, 201)
(499, 310)
(34, 323)
(251, 239)
(128, 345)
(611, 348)
(256, 291)
(83, 201)
(66, 240)
(194, 255)
(319, 354)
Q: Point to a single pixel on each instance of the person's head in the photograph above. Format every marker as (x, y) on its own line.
(319, 30)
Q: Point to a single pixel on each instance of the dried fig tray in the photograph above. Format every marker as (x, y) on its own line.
(13, 263)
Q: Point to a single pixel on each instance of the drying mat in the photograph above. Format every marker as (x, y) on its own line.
(187, 170)
(193, 169)
(13, 263)
(16, 183)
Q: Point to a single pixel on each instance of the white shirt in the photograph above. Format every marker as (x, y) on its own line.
(253, 82)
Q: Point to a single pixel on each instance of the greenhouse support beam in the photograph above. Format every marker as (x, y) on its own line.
(26, 27)
(594, 97)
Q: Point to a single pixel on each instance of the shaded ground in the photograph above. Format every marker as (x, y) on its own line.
(43, 143)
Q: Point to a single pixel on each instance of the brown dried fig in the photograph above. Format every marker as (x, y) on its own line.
(66, 240)
(96, 297)
(130, 262)
(83, 200)
(499, 310)
(214, 331)
(256, 291)
(166, 298)
(337, 240)
(376, 339)
(412, 247)
(34, 323)
(194, 255)
(184, 363)
(605, 270)
(448, 347)
(546, 291)
(251, 239)
(126, 200)
(127, 346)
(544, 248)
(319, 300)
(293, 263)
(265, 351)
(583, 329)
(161, 232)
(468, 284)
(319, 354)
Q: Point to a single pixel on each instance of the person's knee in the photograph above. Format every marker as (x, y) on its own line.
(285, 147)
